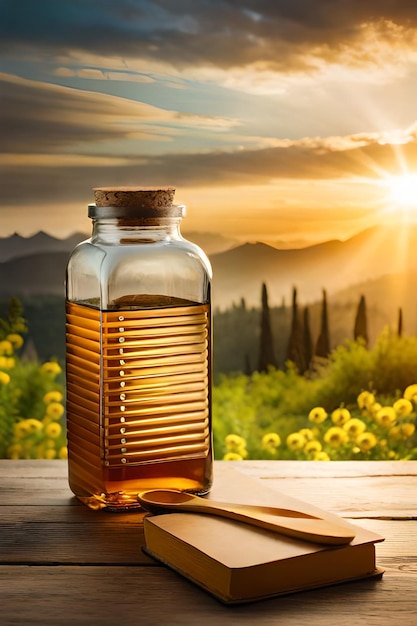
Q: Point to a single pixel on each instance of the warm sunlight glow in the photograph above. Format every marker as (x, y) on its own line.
(403, 191)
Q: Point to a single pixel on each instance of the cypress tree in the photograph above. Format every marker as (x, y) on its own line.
(400, 323)
(266, 351)
(323, 341)
(307, 341)
(360, 330)
(295, 349)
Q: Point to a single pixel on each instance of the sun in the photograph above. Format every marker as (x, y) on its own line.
(403, 192)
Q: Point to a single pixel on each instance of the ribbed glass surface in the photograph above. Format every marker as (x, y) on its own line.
(150, 402)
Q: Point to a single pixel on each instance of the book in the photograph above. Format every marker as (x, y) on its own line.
(237, 562)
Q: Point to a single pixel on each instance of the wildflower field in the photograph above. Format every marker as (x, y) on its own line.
(359, 404)
(31, 398)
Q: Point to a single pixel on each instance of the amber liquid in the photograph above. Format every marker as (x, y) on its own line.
(138, 399)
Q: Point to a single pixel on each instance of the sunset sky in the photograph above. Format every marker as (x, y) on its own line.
(280, 120)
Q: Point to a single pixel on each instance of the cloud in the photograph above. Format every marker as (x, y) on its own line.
(362, 158)
(38, 117)
(283, 36)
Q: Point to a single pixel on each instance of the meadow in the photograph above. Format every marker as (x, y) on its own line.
(356, 403)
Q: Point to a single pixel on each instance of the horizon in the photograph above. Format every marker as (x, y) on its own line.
(230, 243)
(278, 122)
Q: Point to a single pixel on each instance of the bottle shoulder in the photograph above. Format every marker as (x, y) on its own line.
(169, 253)
(85, 253)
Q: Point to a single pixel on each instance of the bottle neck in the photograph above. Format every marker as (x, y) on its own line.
(120, 231)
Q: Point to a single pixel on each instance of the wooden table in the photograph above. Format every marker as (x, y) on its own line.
(61, 563)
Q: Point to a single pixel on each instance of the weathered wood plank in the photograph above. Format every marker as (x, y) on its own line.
(337, 469)
(358, 497)
(57, 469)
(154, 595)
(379, 495)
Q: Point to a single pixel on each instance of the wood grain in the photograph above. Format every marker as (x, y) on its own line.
(62, 563)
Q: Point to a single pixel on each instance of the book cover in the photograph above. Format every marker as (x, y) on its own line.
(237, 562)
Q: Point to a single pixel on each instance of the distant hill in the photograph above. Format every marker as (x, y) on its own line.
(33, 274)
(211, 243)
(18, 246)
(36, 265)
(379, 263)
(332, 265)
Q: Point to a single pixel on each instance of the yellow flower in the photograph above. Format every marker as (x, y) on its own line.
(234, 441)
(53, 396)
(53, 430)
(63, 453)
(335, 436)
(366, 441)
(365, 400)
(312, 447)
(50, 453)
(236, 445)
(386, 416)
(373, 410)
(296, 441)
(410, 393)
(6, 347)
(54, 410)
(403, 407)
(232, 456)
(51, 367)
(7, 362)
(317, 415)
(4, 378)
(354, 427)
(340, 416)
(307, 434)
(33, 425)
(321, 456)
(402, 431)
(271, 441)
(21, 429)
(16, 340)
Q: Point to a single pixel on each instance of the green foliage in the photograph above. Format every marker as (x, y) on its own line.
(266, 348)
(280, 402)
(45, 317)
(236, 338)
(31, 409)
(360, 330)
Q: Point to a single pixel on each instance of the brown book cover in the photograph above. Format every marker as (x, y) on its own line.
(237, 562)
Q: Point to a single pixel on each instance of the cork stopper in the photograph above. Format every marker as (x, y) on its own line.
(134, 197)
(132, 202)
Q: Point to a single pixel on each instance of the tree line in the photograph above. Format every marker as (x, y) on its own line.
(244, 339)
(301, 349)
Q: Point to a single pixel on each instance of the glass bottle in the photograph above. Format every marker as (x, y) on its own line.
(138, 346)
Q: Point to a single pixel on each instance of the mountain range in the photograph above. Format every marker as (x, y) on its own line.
(332, 265)
(36, 265)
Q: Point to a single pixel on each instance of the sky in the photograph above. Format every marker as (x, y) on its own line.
(285, 121)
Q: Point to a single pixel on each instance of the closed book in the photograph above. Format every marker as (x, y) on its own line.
(237, 562)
